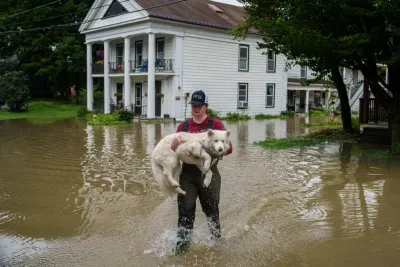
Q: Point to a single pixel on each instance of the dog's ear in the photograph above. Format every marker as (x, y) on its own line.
(210, 132)
(228, 133)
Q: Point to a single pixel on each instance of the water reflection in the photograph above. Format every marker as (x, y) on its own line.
(71, 189)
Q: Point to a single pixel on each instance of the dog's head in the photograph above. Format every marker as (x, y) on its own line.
(218, 142)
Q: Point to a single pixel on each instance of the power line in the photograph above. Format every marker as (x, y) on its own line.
(26, 11)
(78, 23)
(55, 17)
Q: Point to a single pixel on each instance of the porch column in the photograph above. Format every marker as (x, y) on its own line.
(177, 78)
(151, 77)
(328, 95)
(107, 94)
(127, 78)
(307, 101)
(89, 96)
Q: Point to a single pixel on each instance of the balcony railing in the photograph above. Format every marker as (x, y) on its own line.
(164, 65)
(97, 68)
(138, 65)
(115, 67)
(375, 113)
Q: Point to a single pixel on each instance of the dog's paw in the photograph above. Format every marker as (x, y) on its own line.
(180, 191)
(207, 179)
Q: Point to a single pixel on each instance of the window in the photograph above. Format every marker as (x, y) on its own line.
(355, 77)
(270, 96)
(115, 9)
(139, 53)
(242, 95)
(243, 57)
(160, 51)
(271, 62)
(303, 72)
(120, 53)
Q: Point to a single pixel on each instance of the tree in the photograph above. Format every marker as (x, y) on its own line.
(327, 34)
(288, 28)
(58, 53)
(14, 90)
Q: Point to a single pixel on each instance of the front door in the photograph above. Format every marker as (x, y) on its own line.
(120, 89)
(138, 98)
(158, 99)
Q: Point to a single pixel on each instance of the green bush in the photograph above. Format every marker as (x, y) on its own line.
(14, 90)
(126, 115)
(289, 113)
(266, 117)
(82, 112)
(236, 117)
(213, 113)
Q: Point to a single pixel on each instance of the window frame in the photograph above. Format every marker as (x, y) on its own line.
(247, 95)
(273, 95)
(274, 60)
(248, 57)
(301, 72)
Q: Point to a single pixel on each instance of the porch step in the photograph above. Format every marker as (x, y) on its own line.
(376, 135)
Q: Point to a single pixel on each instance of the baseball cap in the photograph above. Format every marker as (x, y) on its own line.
(199, 98)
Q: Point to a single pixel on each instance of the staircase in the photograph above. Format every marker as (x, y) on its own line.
(355, 93)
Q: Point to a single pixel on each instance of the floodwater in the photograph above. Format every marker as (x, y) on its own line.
(76, 195)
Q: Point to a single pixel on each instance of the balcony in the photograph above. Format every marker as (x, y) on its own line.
(138, 65)
(115, 67)
(97, 68)
(164, 65)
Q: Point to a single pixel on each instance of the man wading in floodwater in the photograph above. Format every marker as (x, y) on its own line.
(191, 179)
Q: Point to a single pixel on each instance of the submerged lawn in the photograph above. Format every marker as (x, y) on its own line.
(321, 136)
(42, 111)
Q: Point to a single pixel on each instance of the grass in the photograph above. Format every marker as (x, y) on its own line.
(42, 111)
(323, 124)
(321, 136)
(236, 117)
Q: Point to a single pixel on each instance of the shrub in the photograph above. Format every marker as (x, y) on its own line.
(213, 113)
(126, 115)
(82, 112)
(289, 113)
(236, 116)
(14, 90)
(266, 117)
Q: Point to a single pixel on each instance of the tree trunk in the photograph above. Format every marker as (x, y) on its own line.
(344, 99)
(395, 131)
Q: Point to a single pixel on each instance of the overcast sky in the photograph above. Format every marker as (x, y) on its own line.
(232, 2)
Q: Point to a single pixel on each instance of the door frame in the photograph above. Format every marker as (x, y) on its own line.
(158, 104)
(138, 99)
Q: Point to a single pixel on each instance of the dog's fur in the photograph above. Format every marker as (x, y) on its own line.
(195, 148)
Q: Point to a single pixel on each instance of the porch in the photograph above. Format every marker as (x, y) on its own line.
(138, 70)
(374, 122)
(302, 100)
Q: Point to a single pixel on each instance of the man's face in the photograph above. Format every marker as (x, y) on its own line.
(198, 110)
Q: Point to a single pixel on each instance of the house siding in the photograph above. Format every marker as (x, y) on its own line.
(212, 65)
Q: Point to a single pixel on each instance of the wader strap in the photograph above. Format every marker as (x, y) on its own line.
(185, 126)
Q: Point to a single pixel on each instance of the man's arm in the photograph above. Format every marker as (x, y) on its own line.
(218, 125)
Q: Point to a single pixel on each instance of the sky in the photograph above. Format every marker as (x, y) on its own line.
(232, 2)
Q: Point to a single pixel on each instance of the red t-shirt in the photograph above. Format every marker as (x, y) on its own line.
(198, 128)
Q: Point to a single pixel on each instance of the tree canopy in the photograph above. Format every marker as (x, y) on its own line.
(58, 52)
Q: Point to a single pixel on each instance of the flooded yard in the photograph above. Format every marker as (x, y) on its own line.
(77, 195)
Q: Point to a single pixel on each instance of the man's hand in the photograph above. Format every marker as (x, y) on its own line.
(176, 141)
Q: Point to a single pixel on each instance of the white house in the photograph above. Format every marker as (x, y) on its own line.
(157, 52)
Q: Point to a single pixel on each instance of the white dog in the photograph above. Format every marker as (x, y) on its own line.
(195, 148)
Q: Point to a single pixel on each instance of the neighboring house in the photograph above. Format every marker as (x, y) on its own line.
(302, 98)
(155, 58)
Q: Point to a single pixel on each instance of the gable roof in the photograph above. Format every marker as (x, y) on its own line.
(198, 12)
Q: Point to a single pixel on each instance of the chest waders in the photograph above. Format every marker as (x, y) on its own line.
(191, 181)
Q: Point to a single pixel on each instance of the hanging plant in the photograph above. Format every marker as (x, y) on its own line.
(161, 95)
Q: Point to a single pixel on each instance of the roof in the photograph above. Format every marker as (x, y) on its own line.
(198, 12)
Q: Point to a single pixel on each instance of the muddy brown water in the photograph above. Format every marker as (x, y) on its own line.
(76, 195)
